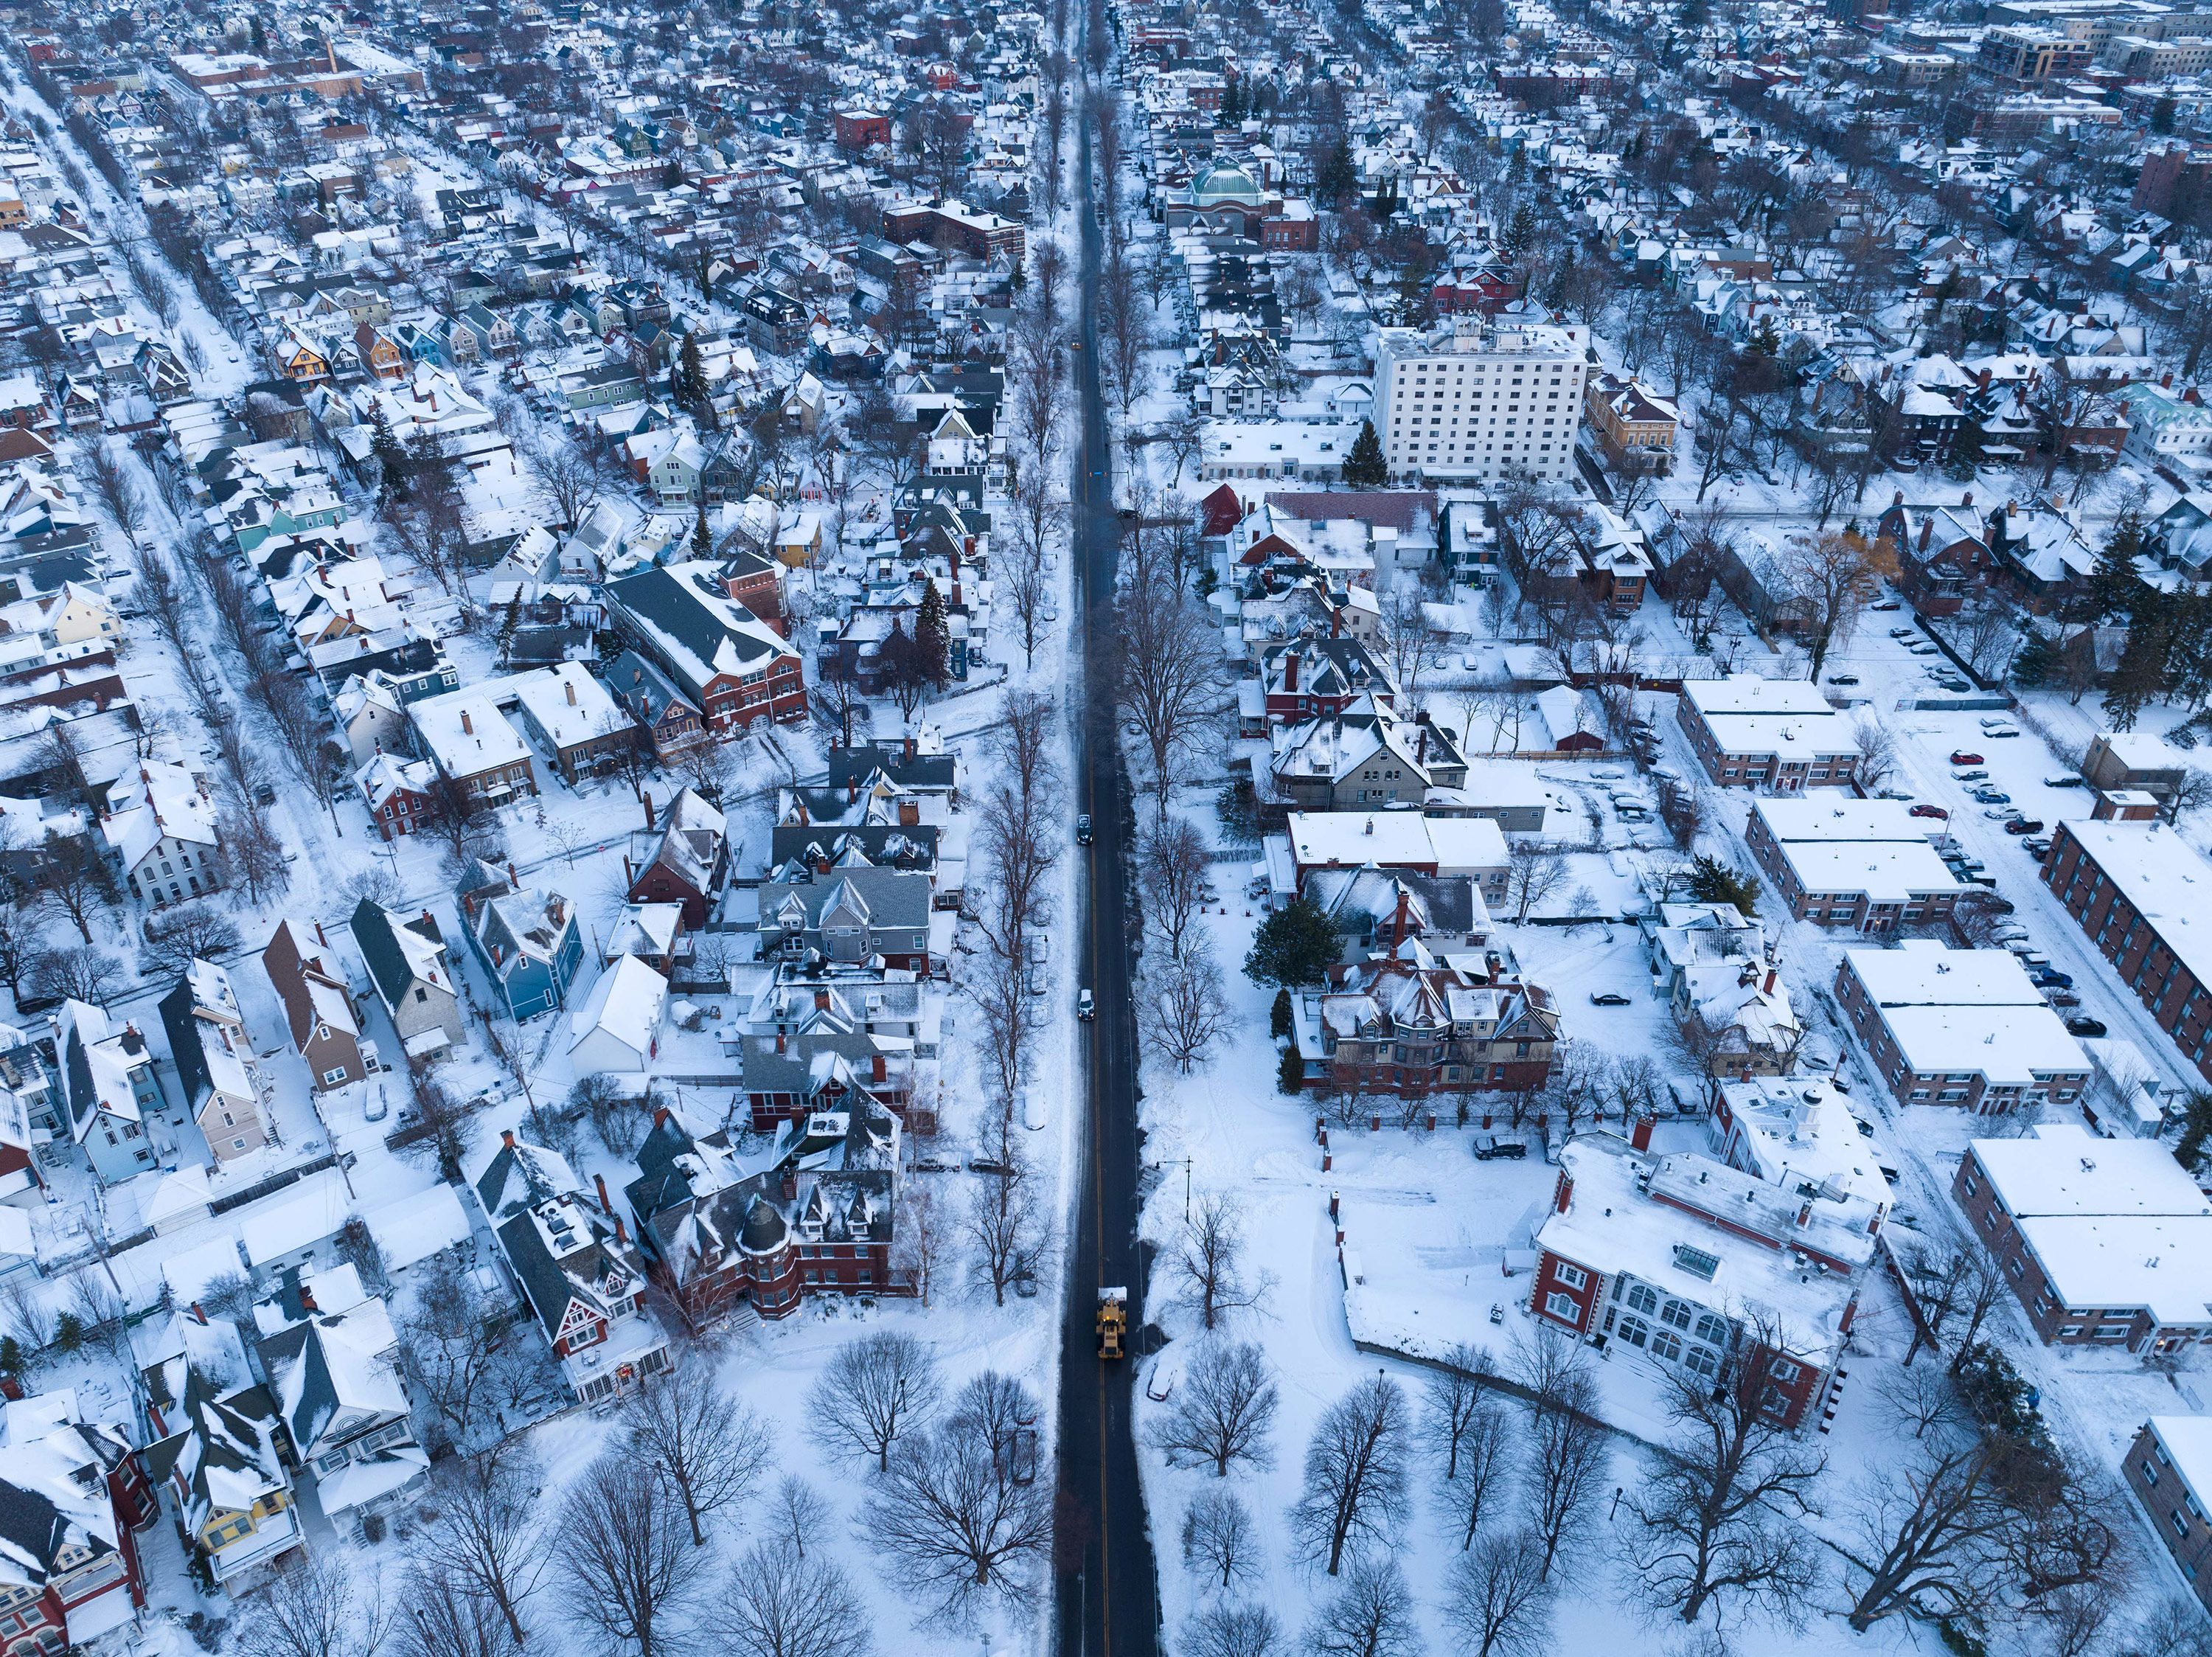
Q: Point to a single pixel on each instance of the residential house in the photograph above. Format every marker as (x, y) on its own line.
(160, 824)
(1778, 734)
(218, 1438)
(527, 941)
(572, 717)
(331, 1356)
(815, 1214)
(848, 915)
(215, 1060)
(731, 665)
(616, 1029)
(317, 1007)
(671, 722)
(577, 1268)
(110, 1088)
(685, 862)
(1411, 1025)
(474, 748)
(72, 1492)
(406, 961)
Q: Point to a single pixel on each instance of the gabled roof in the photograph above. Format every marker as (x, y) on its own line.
(399, 954)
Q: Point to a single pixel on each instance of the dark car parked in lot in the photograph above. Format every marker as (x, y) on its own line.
(2052, 978)
(2025, 825)
(2085, 1027)
(1490, 1147)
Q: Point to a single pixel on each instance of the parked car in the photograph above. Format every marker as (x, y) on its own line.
(2063, 998)
(935, 1165)
(1083, 830)
(2037, 846)
(2085, 1027)
(2002, 732)
(1995, 905)
(2069, 781)
(1892, 794)
(1971, 774)
(1842, 679)
(1900, 632)
(1936, 812)
(1490, 1147)
(1960, 757)
(1987, 721)
(2023, 825)
(1084, 1006)
(1607, 998)
(1885, 604)
(1990, 796)
(2051, 978)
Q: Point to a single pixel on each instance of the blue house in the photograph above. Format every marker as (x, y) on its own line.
(527, 941)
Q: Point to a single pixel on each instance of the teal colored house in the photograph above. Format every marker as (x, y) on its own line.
(527, 941)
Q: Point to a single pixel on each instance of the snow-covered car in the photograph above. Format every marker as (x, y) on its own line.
(1900, 632)
(1971, 774)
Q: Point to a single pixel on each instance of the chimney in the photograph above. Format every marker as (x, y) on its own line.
(1805, 1212)
(600, 1180)
(908, 746)
(199, 1313)
(821, 1001)
(1965, 500)
(629, 871)
(1335, 622)
(319, 938)
(1639, 1136)
(1290, 670)
(513, 881)
(507, 1137)
(468, 725)
(569, 685)
(779, 1041)
(1768, 987)
(1398, 922)
(648, 807)
(877, 1071)
(1927, 528)
(2166, 380)
(660, 1115)
(1565, 1196)
(307, 1299)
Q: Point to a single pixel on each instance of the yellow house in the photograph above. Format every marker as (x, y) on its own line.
(1633, 425)
(299, 361)
(78, 613)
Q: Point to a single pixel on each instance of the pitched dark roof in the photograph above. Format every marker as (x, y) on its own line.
(372, 931)
(185, 1047)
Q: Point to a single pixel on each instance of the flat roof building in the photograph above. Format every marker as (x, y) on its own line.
(1959, 1027)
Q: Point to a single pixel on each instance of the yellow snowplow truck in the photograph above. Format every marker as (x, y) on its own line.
(1113, 1321)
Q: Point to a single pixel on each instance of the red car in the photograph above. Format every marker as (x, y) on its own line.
(1962, 758)
(1931, 811)
(2025, 825)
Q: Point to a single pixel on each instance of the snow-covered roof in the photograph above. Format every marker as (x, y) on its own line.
(625, 1006)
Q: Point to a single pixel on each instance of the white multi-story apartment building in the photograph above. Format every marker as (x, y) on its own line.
(1473, 400)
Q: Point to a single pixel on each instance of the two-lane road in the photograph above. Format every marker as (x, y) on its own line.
(1106, 1601)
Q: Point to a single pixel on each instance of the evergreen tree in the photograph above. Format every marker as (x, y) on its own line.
(1289, 1071)
(2140, 676)
(703, 539)
(1712, 881)
(1365, 467)
(1278, 1015)
(690, 376)
(2161, 114)
(391, 459)
(2033, 662)
(1520, 229)
(1295, 945)
(1336, 177)
(2114, 584)
(1555, 290)
(933, 639)
(2196, 1128)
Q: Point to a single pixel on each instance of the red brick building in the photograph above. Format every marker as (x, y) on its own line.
(1666, 1254)
(2132, 886)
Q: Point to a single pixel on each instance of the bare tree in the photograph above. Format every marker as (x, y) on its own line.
(1567, 1459)
(487, 1544)
(1534, 872)
(1451, 1395)
(709, 1448)
(1923, 1399)
(1500, 1599)
(922, 1237)
(1232, 1631)
(114, 489)
(177, 936)
(800, 1512)
(1223, 1412)
(781, 1603)
(954, 1511)
(1005, 1227)
(453, 1348)
(1829, 578)
(1186, 1009)
(1926, 1533)
(1218, 1540)
(76, 972)
(877, 1390)
(315, 1608)
(1211, 1260)
(1410, 646)
(439, 1616)
(1354, 1494)
(1173, 866)
(625, 1549)
(1721, 1514)
(1168, 676)
(1876, 743)
(1371, 1615)
(1469, 1496)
